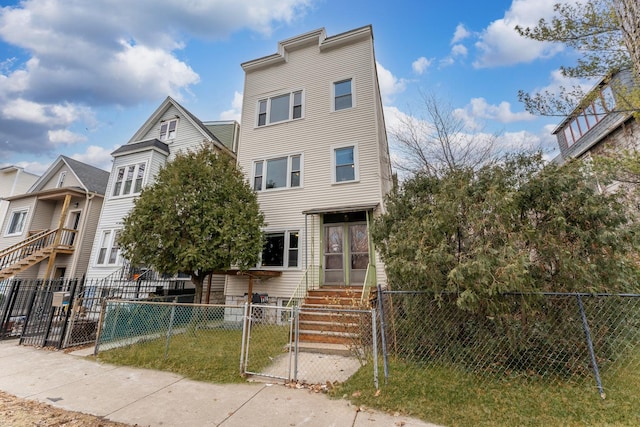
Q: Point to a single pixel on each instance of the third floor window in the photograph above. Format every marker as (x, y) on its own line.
(280, 108)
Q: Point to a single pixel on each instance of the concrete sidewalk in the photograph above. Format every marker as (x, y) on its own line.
(154, 398)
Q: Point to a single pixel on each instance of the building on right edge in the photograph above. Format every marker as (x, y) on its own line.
(314, 147)
(601, 124)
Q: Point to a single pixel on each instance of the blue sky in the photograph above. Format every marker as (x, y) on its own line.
(80, 77)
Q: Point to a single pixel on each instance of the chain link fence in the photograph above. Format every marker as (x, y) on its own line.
(263, 341)
(557, 337)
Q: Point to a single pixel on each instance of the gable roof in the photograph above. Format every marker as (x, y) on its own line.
(92, 179)
(166, 104)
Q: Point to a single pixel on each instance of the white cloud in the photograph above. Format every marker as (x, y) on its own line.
(235, 112)
(390, 85)
(421, 64)
(461, 33)
(82, 55)
(65, 137)
(499, 44)
(459, 50)
(96, 156)
(478, 110)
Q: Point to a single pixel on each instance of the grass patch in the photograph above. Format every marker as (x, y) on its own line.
(204, 355)
(444, 395)
(439, 394)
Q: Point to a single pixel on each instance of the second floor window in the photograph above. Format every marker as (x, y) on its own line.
(280, 172)
(18, 220)
(345, 164)
(280, 108)
(129, 180)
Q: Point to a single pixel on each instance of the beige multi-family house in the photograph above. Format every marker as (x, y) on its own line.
(49, 229)
(168, 131)
(313, 146)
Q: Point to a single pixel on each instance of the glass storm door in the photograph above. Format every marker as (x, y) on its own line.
(346, 253)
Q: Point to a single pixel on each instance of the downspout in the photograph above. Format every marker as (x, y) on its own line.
(81, 231)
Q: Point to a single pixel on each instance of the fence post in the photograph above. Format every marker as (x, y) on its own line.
(103, 309)
(245, 330)
(383, 334)
(170, 328)
(374, 333)
(67, 315)
(32, 299)
(594, 362)
(296, 320)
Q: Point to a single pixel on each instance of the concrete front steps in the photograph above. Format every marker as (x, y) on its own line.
(326, 325)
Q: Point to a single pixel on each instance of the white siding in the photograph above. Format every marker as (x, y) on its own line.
(115, 209)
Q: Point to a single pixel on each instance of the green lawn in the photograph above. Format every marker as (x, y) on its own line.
(441, 395)
(204, 355)
(448, 397)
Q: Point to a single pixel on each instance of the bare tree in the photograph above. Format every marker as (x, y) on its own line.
(437, 142)
(628, 14)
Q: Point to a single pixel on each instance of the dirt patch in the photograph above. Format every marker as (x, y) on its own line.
(17, 412)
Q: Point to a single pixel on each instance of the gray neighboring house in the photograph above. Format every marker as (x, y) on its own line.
(599, 125)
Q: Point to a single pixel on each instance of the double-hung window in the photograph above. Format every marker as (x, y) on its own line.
(280, 108)
(129, 180)
(61, 178)
(168, 129)
(281, 249)
(345, 166)
(17, 222)
(342, 95)
(109, 248)
(279, 172)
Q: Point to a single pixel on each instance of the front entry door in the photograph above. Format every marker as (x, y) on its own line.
(346, 253)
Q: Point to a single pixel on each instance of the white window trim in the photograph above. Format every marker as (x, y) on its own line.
(168, 138)
(268, 112)
(10, 220)
(285, 258)
(112, 235)
(356, 163)
(132, 193)
(264, 172)
(61, 179)
(332, 91)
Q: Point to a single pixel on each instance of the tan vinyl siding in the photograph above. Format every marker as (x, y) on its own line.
(87, 234)
(315, 136)
(17, 205)
(70, 179)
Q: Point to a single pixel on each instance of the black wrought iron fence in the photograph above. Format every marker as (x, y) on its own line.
(568, 337)
(65, 312)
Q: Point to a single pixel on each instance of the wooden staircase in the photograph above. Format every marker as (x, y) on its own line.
(36, 248)
(26, 262)
(325, 324)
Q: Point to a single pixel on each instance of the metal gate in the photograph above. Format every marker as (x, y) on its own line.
(36, 311)
(278, 342)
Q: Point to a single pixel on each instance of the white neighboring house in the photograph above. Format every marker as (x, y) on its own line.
(169, 130)
(313, 145)
(14, 180)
